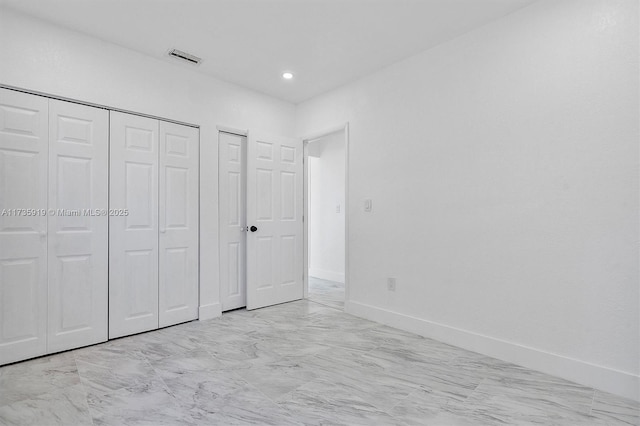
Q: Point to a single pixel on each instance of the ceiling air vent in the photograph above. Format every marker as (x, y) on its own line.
(184, 56)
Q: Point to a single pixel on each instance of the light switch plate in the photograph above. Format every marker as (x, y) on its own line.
(391, 284)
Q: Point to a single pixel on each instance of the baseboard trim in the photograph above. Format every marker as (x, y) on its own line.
(598, 377)
(212, 310)
(327, 275)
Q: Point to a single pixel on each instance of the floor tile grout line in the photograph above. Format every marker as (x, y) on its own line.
(276, 404)
(167, 388)
(402, 400)
(84, 389)
(22, 363)
(326, 306)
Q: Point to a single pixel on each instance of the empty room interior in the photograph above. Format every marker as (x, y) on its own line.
(319, 212)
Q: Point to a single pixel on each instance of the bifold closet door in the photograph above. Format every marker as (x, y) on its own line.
(23, 232)
(232, 170)
(78, 231)
(133, 236)
(178, 243)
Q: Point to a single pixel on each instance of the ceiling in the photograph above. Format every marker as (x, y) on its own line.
(325, 43)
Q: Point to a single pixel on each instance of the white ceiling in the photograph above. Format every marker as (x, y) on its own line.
(325, 43)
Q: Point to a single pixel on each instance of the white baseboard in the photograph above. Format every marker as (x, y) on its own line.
(598, 377)
(327, 275)
(212, 310)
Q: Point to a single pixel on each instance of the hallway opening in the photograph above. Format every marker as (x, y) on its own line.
(326, 214)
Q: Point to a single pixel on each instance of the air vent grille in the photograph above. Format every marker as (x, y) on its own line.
(185, 56)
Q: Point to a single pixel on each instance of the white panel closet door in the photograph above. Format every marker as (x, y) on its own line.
(178, 278)
(78, 232)
(23, 237)
(274, 215)
(133, 239)
(232, 216)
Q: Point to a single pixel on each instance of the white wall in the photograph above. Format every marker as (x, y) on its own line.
(46, 58)
(326, 195)
(503, 169)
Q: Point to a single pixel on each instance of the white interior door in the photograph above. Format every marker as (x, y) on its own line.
(232, 164)
(274, 216)
(78, 232)
(178, 279)
(133, 238)
(23, 233)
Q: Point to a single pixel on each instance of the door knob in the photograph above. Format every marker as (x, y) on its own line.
(253, 229)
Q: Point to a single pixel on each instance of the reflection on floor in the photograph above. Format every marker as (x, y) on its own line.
(292, 364)
(329, 293)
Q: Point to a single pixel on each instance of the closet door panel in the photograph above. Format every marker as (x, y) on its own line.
(78, 230)
(23, 232)
(133, 236)
(178, 273)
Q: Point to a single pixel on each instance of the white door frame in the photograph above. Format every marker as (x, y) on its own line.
(344, 127)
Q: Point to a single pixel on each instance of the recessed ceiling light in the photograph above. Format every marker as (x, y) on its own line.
(287, 75)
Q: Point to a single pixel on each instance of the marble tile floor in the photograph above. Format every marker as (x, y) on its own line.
(328, 293)
(300, 363)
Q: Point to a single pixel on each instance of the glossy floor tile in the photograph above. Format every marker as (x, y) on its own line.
(329, 293)
(300, 363)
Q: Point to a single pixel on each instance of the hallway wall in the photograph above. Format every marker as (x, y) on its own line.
(326, 208)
